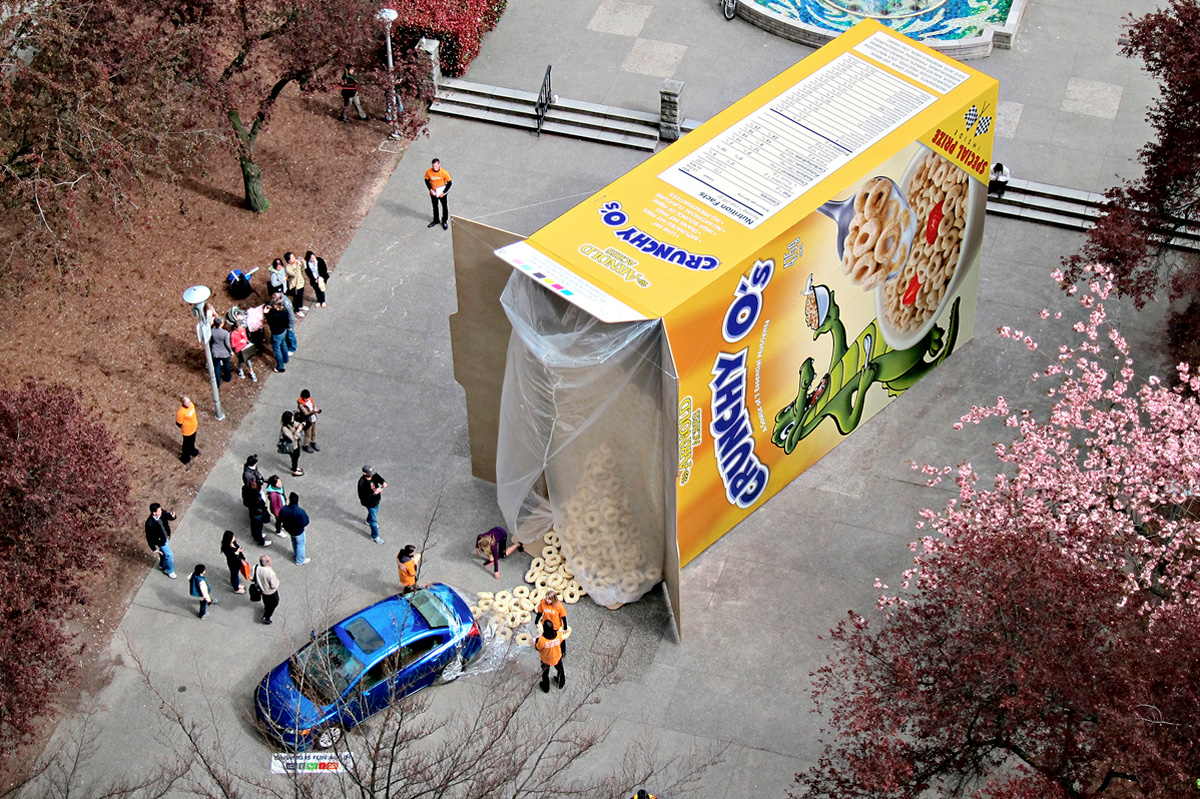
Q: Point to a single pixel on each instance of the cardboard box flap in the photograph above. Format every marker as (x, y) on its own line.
(567, 284)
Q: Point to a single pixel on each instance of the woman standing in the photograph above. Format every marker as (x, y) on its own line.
(276, 499)
(290, 432)
(318, 274)
(267, 582)
(277, 276)
(239, 339)
(295, 282)
(234, 559)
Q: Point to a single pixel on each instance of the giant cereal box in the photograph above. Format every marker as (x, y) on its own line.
(813, 251)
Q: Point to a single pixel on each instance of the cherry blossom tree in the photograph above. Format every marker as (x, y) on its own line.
(1045, 642)
(1141, 215)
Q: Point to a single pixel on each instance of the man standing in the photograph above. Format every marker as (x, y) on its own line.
(277, 319)
(268, 582)
(438, 181)
(549, 646)
(408, 560)
(185, 420)
(308, 410)
(349, 89)
(294, 521)
(370, 492)
(158, 537)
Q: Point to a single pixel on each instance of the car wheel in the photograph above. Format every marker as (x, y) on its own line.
(328, 737)
(452, 672)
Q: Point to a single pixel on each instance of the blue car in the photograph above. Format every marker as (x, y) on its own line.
(364, 663)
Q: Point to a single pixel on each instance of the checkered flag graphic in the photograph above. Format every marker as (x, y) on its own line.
(985, 124)
(971, 115)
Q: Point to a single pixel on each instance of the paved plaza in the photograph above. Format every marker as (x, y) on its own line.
(377, 361)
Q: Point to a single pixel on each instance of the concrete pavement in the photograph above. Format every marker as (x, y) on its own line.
(378, 363)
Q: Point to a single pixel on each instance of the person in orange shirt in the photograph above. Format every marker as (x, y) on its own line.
(549, 646)
(185, 420)
(438, 181)
(407, 561)
(552, 610)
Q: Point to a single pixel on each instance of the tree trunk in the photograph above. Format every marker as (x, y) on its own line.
(252, 179)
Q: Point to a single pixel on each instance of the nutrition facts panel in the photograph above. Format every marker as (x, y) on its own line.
(761, 164)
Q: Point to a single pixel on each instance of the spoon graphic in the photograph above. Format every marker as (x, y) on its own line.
(842, 213)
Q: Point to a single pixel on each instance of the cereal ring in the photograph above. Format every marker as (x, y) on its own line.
(888, 242)
(610, 512)
(880, 193)
(537, 596)
(523, 639)
(572, 584)
(551, 538)
(542, 581)
(538, 564)
(485, 604)
(531, 576)
(570, 596)
(864, 269)
(503, 633)
(566, 633)
(629, 583)
(513, 618)
(653, 575)
(500, 605)
(553, 562)
(865, 241)
(860, 201)
(525, 603)
(521, 592)
(524, 616)
(592, 518)
(495, 622)
(557, 582)
(474, 611)
(548, 550)
(503, 596)
(574, 509)
(485, 595)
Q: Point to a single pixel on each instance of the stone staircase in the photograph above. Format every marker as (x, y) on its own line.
(1064, 207)
(515, 108)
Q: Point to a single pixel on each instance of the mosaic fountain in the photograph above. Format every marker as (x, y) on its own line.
(960, 28)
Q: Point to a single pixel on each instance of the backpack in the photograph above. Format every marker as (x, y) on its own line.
(194, 585)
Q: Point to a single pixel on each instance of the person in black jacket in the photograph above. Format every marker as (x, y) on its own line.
(370, 491)
(349, 87)
(295, 521)
(158, 537)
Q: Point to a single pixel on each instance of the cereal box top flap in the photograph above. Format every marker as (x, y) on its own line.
(703, 206)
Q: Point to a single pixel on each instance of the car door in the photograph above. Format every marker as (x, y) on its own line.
(421, 660)
(374, 689)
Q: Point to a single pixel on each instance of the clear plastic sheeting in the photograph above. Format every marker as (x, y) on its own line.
(582, 407)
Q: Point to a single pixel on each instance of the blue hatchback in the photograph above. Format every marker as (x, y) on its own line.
(364, 663)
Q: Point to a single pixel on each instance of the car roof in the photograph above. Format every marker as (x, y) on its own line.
(376, 630)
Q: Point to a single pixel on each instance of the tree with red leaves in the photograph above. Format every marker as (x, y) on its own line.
(240, 56)
(63, 490)
(1046, 641)
(1141, 215)
(90, 103)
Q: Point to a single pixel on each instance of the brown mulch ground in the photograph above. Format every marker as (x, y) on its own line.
(116, 327)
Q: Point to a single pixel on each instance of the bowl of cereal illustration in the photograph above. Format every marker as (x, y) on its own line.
(949, 208)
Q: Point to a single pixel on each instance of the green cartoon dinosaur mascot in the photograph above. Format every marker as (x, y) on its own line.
(842, 392)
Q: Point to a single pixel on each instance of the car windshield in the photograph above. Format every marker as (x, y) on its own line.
(324, 669)
(432, 609)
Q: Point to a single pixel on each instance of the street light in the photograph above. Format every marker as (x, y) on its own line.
(387, 16)
(196, 296)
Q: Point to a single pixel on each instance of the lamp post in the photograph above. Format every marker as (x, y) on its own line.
(388, 16)
(196, 296)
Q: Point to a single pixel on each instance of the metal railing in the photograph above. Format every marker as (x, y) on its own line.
(545, 97)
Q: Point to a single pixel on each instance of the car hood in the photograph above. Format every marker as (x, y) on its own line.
(279, 703)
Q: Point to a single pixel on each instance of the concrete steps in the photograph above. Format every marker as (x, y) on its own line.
(1065, 207)
(517, 109)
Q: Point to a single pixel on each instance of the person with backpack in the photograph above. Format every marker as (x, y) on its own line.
(198, 586)
(370, 492)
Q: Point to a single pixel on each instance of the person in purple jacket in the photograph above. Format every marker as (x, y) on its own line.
(493, 545)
